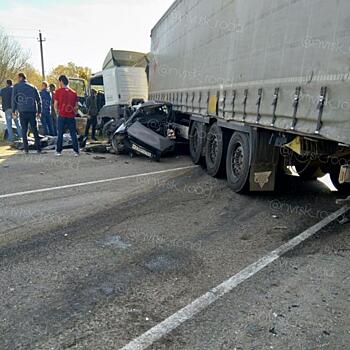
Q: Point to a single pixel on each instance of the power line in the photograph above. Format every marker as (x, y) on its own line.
(19, 28)
(22, 37)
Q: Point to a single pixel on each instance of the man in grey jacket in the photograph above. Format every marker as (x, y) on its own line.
(26, 101)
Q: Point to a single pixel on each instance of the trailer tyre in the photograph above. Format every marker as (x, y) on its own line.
(237, 162)
(214, 151)
(197, 141)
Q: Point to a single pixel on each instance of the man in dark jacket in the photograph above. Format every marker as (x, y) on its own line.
(92, 112)
(46, 119)
(26, 101)
(53, 112)
(6, 96)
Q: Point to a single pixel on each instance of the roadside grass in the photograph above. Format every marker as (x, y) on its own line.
(6, 151)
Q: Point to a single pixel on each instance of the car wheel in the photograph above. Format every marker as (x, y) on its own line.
(118, 144)
(109, 129)
(237, 162)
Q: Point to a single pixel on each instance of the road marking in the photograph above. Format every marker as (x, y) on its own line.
(50, 189)
(188, 312)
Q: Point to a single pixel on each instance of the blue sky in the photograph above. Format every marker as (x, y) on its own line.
(81, 31)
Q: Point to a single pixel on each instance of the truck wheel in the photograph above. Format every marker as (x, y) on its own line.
(214, 151)
(237, 162)
(197, 140)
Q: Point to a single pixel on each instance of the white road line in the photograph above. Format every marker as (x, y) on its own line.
(50, 189)
(191, 310)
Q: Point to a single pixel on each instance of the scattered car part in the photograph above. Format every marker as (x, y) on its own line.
(98, 148)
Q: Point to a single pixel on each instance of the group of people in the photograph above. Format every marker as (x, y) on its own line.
(56, 108)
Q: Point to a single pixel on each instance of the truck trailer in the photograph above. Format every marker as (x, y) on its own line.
(265, 85)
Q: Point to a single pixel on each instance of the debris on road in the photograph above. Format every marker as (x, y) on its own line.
(49, 142)
(273, 331)
(280, 228)
(98, 148)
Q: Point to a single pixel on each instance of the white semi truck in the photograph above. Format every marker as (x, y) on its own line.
(265, 86)
(124, 80)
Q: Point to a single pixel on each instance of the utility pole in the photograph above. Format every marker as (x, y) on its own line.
(41, 40)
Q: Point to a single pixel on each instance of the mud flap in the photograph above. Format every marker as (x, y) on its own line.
(264, 162)
(344, 176)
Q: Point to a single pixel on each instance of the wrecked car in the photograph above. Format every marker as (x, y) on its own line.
(149, 131)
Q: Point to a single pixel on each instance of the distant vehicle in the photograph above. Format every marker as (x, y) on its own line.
(96, 83)
(3, 127)
(265, 87)
(124, 82)
(79, 86)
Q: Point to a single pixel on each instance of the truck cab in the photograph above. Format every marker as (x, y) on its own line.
(124, 82)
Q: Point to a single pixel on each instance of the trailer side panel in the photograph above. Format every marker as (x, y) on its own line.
(279, 64)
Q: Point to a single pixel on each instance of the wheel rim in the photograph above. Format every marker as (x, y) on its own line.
(114, 143)
(237, 160)
(213, 148)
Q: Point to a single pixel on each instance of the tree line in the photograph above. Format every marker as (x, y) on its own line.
(15, 59)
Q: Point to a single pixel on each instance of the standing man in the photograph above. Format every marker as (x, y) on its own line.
(66, 107)
(6, 96)
(46, 119)
(92, 107)
(26, 101)
(53, 112)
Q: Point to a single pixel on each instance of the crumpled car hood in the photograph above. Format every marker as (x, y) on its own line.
(149, 139)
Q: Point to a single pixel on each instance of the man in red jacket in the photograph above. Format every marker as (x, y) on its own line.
(66, 107)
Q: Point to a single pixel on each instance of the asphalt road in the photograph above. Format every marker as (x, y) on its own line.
(93, 267)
